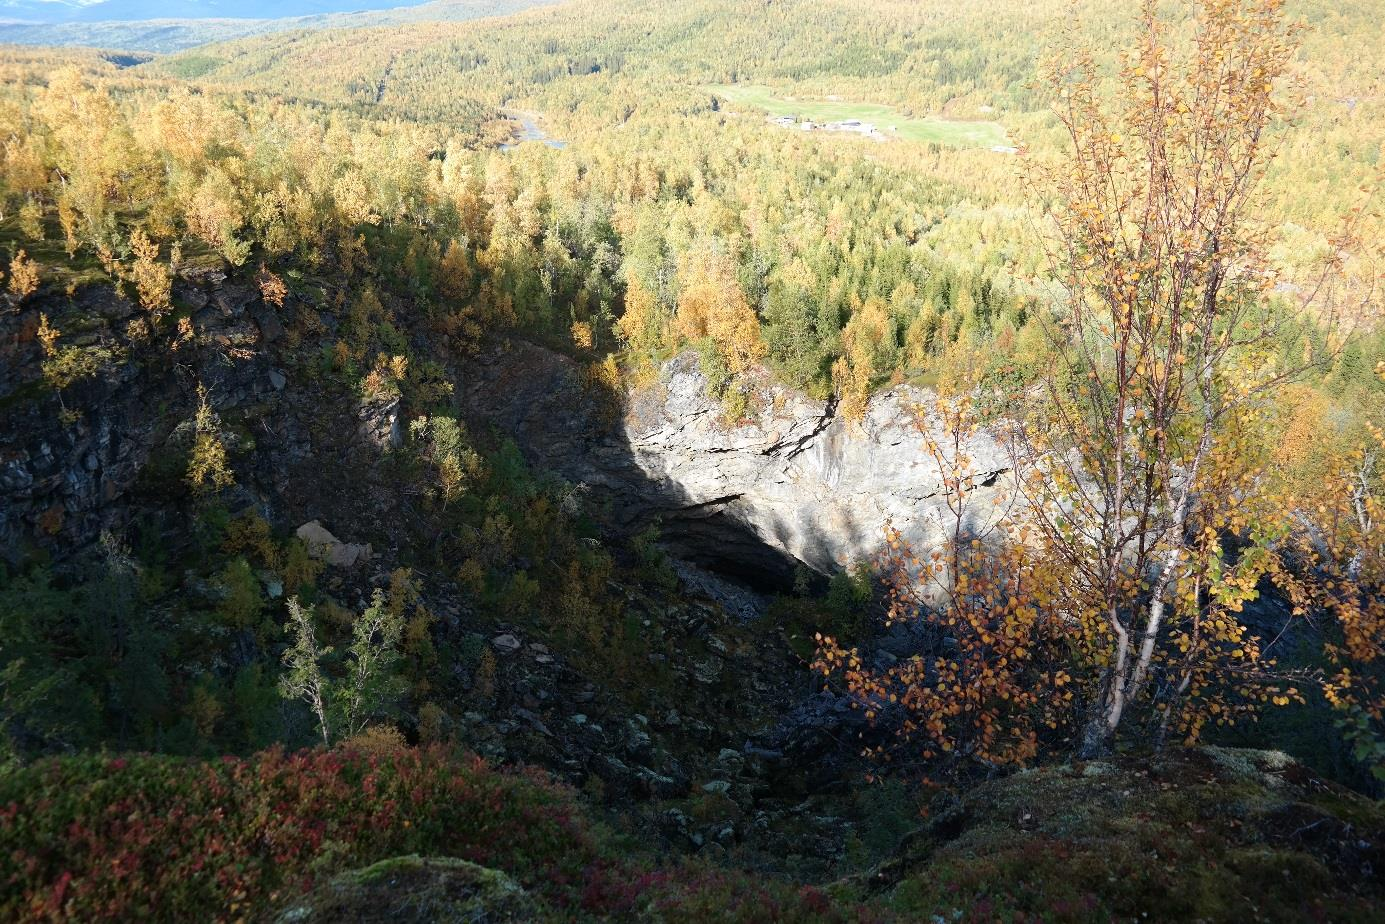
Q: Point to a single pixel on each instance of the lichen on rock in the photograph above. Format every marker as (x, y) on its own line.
(415, 890)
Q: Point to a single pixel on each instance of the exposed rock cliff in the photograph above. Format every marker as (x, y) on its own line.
(108, 452)
(793, 483)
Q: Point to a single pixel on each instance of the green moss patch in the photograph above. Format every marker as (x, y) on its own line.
(1209, 834)
(410, 889)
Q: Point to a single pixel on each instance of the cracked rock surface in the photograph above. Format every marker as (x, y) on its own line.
(792, 483)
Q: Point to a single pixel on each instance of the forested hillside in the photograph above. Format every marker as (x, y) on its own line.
(636, 100)
(823, 457)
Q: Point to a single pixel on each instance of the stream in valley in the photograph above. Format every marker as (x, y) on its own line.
(530, 129)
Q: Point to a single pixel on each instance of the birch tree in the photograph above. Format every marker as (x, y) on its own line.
(372, 682)
(302, 678)
(1144, 456)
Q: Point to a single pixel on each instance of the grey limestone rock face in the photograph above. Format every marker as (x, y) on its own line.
(793, 483)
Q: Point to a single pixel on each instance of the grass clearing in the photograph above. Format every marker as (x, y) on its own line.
(890, 122)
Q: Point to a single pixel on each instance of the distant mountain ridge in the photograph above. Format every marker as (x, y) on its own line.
(66, 11)
(159, 26)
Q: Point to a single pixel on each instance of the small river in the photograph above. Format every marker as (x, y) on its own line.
(529, 130)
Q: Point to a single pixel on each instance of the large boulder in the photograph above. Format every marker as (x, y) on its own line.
(326, 547)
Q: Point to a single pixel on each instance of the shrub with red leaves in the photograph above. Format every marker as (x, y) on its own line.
(143, 837)
(98, 839)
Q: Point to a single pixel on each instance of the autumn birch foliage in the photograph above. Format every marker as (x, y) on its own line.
(208, 468)
(996, 678)
(1336, 569)
(712, 304)
(24, 277)
(1141, 457)
(153, 280)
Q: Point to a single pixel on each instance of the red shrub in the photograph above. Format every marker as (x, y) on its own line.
(160, 838)
(141, 837)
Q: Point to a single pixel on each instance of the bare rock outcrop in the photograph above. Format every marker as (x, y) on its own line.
(108, 452)
(793, 483)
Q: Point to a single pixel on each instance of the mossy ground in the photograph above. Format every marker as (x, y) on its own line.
(1210, 834)
(404, 890)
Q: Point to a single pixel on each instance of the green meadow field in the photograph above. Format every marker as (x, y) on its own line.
(886, 118)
